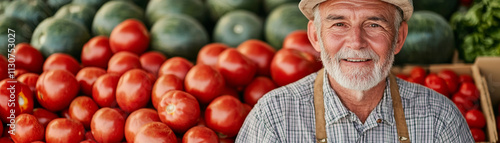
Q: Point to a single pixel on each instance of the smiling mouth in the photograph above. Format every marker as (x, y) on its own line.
(357, 60)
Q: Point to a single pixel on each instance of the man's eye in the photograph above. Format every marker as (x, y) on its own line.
(374, 25)
(339, 24)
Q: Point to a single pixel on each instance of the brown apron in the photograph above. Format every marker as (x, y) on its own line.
(320, 110)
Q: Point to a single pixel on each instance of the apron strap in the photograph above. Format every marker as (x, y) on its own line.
(319, 108)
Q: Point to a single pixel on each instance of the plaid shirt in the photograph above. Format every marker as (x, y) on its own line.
(287, 115)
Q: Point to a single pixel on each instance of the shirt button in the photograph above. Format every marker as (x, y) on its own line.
(379, 121)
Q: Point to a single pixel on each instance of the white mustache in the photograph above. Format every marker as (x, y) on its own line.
(364, 53)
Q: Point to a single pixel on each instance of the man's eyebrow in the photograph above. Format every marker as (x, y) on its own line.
(375, 18)
(334, 17)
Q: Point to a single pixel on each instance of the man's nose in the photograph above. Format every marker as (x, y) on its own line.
(356, 39)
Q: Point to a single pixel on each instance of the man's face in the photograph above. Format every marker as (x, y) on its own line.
(358, 41)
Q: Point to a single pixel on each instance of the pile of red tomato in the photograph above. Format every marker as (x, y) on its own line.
(460, 89)
(119, 92)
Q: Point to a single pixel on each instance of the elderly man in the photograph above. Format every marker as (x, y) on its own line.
(355, 99)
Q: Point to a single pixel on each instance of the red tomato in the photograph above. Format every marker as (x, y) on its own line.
(177, 66)
(27, 129)
(65, 113)
(89, 137)
(56, 89)
(478, 135)
(104, 90)
(82, 109)
(15, 98)
(451, 79)
(64, 130)
(200, 134)
(290, 65)
(151, 61)
(437, 84)
(465, 78)
(133, 90)
(461, 100)
(164, 84)
(44, 116)
(4, 73)
(179, 110)
(236, 68)
(417, 80)
(204, 83)
(87, 76)
(475, 118)
(225, 115)
(257, 88)
(107, 125)
(299, 40)
(122, 62)
(29, 79)
(402, 76)
(209, 54)
(61, 61)
(1, 128)
(137, 119)
(28, 58)
(222, 140)
(418, 71)
(18, 72)
(130, 35)
(230, 91)
(470, 91)
(96, 52)
(155, 132)
(6, 139)
(260, 53)
(498, 122)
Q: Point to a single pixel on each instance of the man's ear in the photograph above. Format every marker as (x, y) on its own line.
(403, 32)
(311, 34)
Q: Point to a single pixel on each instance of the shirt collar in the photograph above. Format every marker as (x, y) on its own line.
(335, 110)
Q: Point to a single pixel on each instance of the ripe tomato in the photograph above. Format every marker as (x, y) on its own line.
(200, 134)
(230, 91)
(436, 83)
(209, 54)
(4, 73)
(478, 135)
(137, 119)
(177, 66)
(260, 53)
(299, 40)
(56, 89)
(133, 90)
(290, 65)
(96, 52)
(179, 110)
(28, 58)
(15, 98)
(82, 109)
(87, 76)
(64, 130)
(225, 115)
(257, 88)
(236, 68)
(18, 72)
(204, 83)
(155, 132)
(30, 80)
(43, 116)
(65, 113)
(465, 78)
(470, 91)
(418, 71)
(130, 35)
(104, 90)
(475, 118)
(451, 79)
(63, 62)
(461, 100)
(402, 76)
(6, 139)
(164, 84)
(107, 125)
(151, 61)
(89, 137)
(122, 62)
(27, 129)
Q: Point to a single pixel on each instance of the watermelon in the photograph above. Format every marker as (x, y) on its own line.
(282, 21)
(178, 35)
(22, 32)
(157, 8)
(56, 4)
(236, 27)
(113, 13)
(92, 3)
(269, 5)
(83, 14)
(444, 8)
(56, 35)
(430, 40)
(218, 8)
(30, 11)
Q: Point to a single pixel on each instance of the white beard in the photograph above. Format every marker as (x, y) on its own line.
(360, 79)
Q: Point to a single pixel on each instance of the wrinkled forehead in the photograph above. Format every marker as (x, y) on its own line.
(357, 9)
